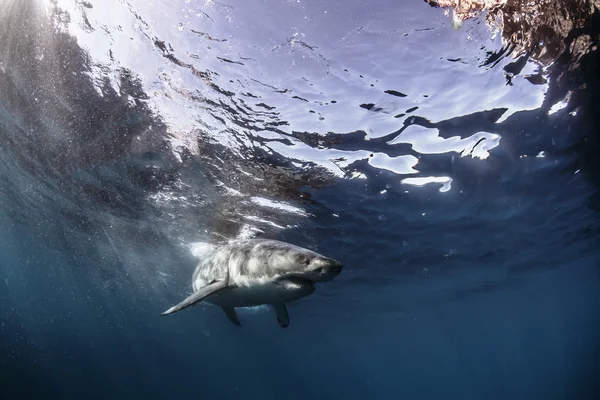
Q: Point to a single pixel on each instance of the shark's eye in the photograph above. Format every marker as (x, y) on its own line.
(307, 261)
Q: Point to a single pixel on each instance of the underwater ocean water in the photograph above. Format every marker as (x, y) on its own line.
(456, 179)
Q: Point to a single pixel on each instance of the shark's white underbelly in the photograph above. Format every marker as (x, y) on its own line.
(255, 294)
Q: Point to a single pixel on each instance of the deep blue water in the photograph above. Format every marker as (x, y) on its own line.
(132, 132)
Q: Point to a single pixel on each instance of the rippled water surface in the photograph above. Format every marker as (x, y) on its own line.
(459, 189)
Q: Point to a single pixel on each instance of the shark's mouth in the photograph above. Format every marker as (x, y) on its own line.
(295, 282)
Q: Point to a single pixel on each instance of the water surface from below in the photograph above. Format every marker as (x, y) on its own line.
(465, 209)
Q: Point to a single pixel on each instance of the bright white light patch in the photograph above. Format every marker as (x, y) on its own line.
(278, 205)
(422, 181)
(399, 165)
(201, 249)
(428, 141)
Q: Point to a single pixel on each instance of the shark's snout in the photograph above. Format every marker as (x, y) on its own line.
(332, 268)
(335, 267)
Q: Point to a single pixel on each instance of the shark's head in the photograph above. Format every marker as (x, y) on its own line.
(285, 259)
(317, 268)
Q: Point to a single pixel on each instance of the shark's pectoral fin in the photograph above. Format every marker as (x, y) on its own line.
(282, 315)
(232, 315)
(198, 296)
